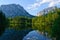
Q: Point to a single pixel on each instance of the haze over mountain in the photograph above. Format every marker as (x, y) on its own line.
(12, 10)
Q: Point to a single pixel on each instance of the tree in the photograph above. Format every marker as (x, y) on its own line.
(20, 22)
(3, 22)
(56, 26)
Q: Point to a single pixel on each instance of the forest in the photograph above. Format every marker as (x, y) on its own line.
(49, 23)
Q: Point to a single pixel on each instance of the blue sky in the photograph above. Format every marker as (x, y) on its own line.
(32, 6)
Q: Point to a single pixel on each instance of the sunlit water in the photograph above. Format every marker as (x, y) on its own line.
(35, 35)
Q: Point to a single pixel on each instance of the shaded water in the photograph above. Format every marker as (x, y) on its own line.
(11, 34)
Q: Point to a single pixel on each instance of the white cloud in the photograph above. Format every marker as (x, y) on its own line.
(33, 6)
(53, 3)
(38, 3)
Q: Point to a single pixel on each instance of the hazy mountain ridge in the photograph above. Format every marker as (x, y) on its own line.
(12, 10)
(46, 10)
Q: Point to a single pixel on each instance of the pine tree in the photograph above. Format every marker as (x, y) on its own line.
(3, 22)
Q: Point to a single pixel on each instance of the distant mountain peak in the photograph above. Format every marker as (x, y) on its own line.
(12, 10)
(46, 10)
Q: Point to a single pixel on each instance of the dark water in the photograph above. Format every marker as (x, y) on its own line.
(11, 34)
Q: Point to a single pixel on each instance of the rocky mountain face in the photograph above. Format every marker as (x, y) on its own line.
(12, 10)
(45, 11)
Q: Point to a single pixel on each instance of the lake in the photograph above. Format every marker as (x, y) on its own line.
(35, 35)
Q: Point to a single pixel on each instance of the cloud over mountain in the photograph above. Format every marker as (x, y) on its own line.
(38, 3)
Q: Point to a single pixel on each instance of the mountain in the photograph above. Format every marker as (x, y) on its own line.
(12, 10)
(45, 11)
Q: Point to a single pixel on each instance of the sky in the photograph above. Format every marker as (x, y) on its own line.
(32, 6)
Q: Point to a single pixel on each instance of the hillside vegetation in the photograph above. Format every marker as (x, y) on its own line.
(49, 23)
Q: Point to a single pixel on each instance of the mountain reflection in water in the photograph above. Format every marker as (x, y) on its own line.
(35, 35)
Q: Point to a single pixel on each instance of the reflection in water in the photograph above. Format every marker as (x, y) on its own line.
(35, 35)
(11, 34)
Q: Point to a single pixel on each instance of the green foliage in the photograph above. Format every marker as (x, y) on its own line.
(56, 26)
(47, 22)
(3, 22)
(20, 23)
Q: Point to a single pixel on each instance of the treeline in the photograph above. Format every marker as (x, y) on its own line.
(4, 23)
(20, 23)
(49, 23)
(45, 22)
(17, 23)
